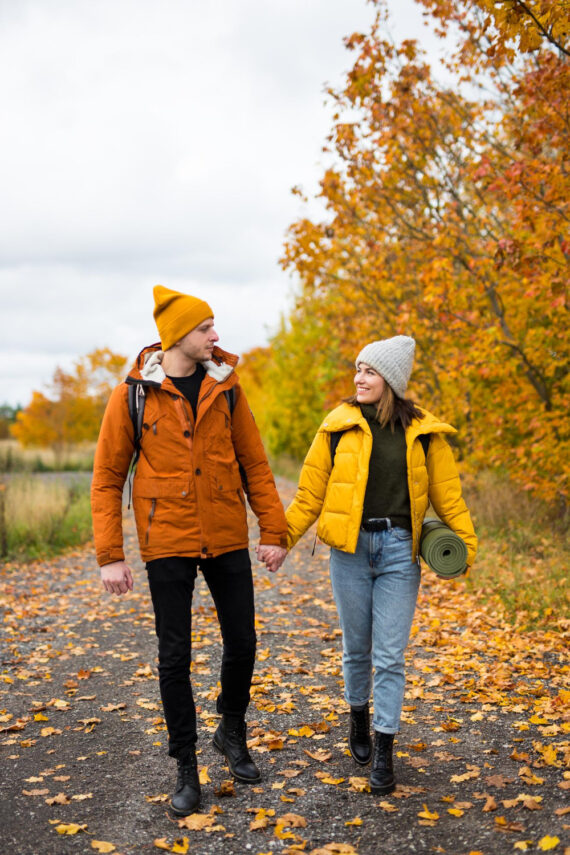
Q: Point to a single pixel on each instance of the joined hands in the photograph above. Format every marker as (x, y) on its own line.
(272, 556)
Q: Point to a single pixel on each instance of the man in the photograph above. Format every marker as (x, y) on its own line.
(199, 450)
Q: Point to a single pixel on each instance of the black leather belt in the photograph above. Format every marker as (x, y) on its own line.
(376, 524)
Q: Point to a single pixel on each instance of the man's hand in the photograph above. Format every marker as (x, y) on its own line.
(117, 578)
(272, 556)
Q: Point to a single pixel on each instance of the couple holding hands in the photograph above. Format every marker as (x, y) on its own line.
(366, 478)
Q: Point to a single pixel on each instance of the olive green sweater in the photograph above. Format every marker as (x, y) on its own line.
(387, 492)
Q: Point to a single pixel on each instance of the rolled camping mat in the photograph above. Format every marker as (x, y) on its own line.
(443, 551)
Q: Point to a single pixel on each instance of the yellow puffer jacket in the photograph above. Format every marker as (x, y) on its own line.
(336, 494)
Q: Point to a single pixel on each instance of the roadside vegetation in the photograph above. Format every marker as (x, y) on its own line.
(40, 517)
(16, 458)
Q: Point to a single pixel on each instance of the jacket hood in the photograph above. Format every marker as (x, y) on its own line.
(346, 416)
(147, 367)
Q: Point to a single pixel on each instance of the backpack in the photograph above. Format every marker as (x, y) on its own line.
(136, 399)
(336, 435)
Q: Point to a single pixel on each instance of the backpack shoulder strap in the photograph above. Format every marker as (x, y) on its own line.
(136, 398)
(424, 438)
(334, 436)
(231, 398)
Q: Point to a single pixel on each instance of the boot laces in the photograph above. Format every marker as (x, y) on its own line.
(186, 769)
(382, 750)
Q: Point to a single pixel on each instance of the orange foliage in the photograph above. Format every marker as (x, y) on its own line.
(447, 219)
(72, 410)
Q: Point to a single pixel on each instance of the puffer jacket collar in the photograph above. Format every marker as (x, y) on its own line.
(347, 416)
(148, 371)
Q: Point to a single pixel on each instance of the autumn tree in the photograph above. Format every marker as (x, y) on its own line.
(7, 418)
(71, 410)
(447, 219)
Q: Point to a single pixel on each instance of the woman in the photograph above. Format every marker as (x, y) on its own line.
(371, 494)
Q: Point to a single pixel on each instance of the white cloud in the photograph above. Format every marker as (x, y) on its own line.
(149, 142)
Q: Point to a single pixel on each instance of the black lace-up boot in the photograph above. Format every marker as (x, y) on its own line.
(230, 740)
(359, 738)
(382, 775)
(187, 796)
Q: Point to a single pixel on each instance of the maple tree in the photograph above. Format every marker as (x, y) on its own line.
(447, 219)
(72, 410)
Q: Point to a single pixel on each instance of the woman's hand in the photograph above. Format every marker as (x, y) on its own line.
(272, 556)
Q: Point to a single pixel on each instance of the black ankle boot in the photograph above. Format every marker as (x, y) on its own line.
(230, 740)
(382, 775)
(187, 796)
(359, 738)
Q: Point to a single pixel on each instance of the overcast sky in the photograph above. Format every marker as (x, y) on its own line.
(147, 142)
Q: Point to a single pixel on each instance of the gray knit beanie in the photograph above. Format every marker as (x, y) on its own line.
(392, 358)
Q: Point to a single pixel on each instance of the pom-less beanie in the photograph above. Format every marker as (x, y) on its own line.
(176, 314)
(392, 358)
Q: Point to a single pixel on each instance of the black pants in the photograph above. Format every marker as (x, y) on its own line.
(171, 582)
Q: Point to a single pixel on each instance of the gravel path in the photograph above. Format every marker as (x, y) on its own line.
(480, 758)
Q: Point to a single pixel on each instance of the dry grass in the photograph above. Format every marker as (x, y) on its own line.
(523, 552)
(39, 517)
(16, 458)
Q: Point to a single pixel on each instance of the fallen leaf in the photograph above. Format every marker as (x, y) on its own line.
(426, 814)
(70, 828)
(499, 781)
(319, 754)
(547, 842)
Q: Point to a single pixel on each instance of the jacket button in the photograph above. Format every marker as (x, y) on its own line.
(183, 492)
(186, 433)
(198, 471)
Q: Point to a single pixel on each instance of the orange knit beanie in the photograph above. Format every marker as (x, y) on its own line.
(176, 314)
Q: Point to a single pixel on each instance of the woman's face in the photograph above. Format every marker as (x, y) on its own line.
(369, 384)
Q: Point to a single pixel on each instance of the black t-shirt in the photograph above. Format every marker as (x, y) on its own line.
(190, 386)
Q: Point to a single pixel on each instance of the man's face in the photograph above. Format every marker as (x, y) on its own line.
(199, 343)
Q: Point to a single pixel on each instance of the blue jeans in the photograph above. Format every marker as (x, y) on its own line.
(375, 591)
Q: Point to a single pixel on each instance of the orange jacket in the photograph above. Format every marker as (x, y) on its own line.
(187, 491)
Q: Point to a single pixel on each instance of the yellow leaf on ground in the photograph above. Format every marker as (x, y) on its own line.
(356, 821)
(70, 828)
(388, 807)
(359, 785)
(548, 842)
(60, 799)
(426, 814)
(326, 779)
(294, 820)
(102, 846)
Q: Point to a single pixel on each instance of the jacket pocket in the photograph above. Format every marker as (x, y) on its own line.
(160, 488)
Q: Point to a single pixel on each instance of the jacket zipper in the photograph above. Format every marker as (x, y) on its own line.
(150, 516)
